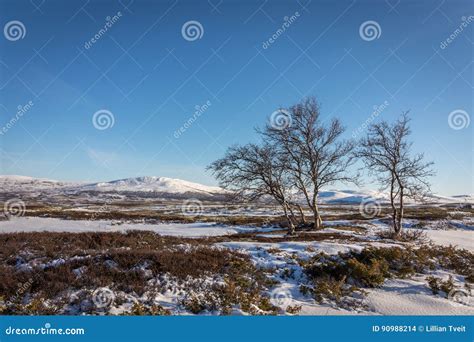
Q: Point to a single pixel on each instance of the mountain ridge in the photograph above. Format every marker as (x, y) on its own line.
(166, 187)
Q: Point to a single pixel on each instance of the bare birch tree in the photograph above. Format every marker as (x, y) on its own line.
(387, 154)
(316, 155)
(252, 172)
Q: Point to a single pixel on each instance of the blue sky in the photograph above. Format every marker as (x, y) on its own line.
(144, 72)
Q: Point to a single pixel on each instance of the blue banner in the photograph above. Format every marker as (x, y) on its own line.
(242, 329)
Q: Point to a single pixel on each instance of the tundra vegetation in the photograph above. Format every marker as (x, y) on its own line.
(277, 186)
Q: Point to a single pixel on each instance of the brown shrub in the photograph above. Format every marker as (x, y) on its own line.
(124, 263)
(332, 275)
(406, 235)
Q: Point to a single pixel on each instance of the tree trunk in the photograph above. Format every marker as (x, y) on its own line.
(392, 204)
(292, 215)
(303, 218)
(317, 218)
(400, 212)
(291, 226)
(396, 224)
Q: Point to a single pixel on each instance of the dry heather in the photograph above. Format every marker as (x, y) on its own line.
(40, 272)
(57, 273)
(337, 277)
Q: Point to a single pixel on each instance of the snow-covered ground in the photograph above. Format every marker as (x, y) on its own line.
(410, 296)
(459, 238)
(462, 238)
(394, 297)
(43, 224)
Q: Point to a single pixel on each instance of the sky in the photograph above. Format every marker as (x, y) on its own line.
(102, 90)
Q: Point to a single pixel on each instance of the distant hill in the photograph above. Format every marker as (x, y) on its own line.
(163, 187)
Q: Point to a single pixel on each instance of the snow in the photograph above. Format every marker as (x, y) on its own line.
(394, 297)
(350, 196)
(165, 185)
(153, 184)
(39, 224)
(459, 238)
(303, 249)
(12, 183)
(15, 178)
(412, 297)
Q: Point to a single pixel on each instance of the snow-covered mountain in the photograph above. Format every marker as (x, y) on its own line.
(176, 188)
(13, 183)
(149, 186)
(350, 196)
(153, 184)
